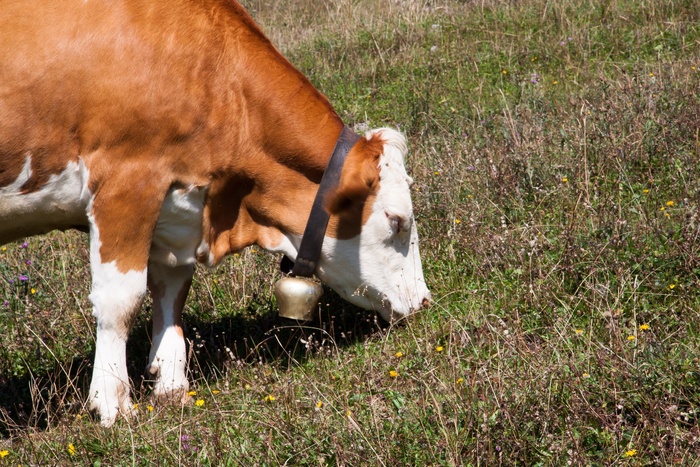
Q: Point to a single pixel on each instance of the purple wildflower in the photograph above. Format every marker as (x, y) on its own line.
(29, 262)
(23, 278)
(25, 245)
(5, 303)
(535, 78)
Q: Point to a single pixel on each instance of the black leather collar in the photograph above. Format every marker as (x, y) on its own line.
(312, 241)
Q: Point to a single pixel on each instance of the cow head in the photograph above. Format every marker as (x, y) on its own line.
(370, 255)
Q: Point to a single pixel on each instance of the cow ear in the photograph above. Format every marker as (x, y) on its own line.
(360, 174)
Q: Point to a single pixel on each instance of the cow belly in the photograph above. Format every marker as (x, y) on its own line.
(178, 232)
(60, 204)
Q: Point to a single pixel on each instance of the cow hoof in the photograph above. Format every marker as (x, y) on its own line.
(110, 410)
(172, 393)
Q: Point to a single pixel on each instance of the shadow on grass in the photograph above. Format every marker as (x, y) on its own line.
(256, 335)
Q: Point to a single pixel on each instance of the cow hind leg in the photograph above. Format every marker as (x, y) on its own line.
(168, 359)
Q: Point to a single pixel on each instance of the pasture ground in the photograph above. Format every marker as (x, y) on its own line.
(555, 149)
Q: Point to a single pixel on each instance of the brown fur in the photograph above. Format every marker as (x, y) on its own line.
(156, 93)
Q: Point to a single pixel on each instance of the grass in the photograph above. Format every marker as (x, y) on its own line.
(554, 147)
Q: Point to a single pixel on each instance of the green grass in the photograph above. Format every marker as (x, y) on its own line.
(554, 147)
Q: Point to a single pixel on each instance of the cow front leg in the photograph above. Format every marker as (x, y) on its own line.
(168, 359)
(122, 218)
(116, 297)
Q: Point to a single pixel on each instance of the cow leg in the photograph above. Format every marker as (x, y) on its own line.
(122, 219)
(116, 298)
(168, 359)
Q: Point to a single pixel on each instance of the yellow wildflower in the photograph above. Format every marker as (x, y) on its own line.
(319, 404)
(439, 348)
(631, 453)
(579, 331)
(564, 180)
(554, 82)
(71, 449)
(457, 221)
(630, 338)
(504, 72)
(672, 286)
(644, 327)
(270, 398)
(4, 248)
(199, 402)
(136, 406)
(399, 354)
(32, 290)
(4, 452)
(215, 391)
(436, 173)
(645, 191)
(192, 393)
(585, 375)
(670, 203)
(393, 374)
(149, 408)
(459, 380)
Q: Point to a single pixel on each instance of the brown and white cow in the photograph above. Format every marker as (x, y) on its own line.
(175, 133)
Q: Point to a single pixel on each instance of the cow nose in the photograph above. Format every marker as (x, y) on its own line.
(425, 303)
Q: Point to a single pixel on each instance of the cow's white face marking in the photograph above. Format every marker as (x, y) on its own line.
(115, 296)
(60, 203)
(381, 268)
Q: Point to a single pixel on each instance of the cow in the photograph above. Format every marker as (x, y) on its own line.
(174, 132)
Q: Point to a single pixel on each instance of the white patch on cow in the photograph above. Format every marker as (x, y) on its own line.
(381, 268)
(115, 296)
(179, 229)
(289, 245)
(204, 254)
(168, 357)
(24, 175)
(61, 203)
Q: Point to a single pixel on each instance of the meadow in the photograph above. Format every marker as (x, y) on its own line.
(554, 148)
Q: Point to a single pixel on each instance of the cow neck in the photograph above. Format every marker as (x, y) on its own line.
(315, 231)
